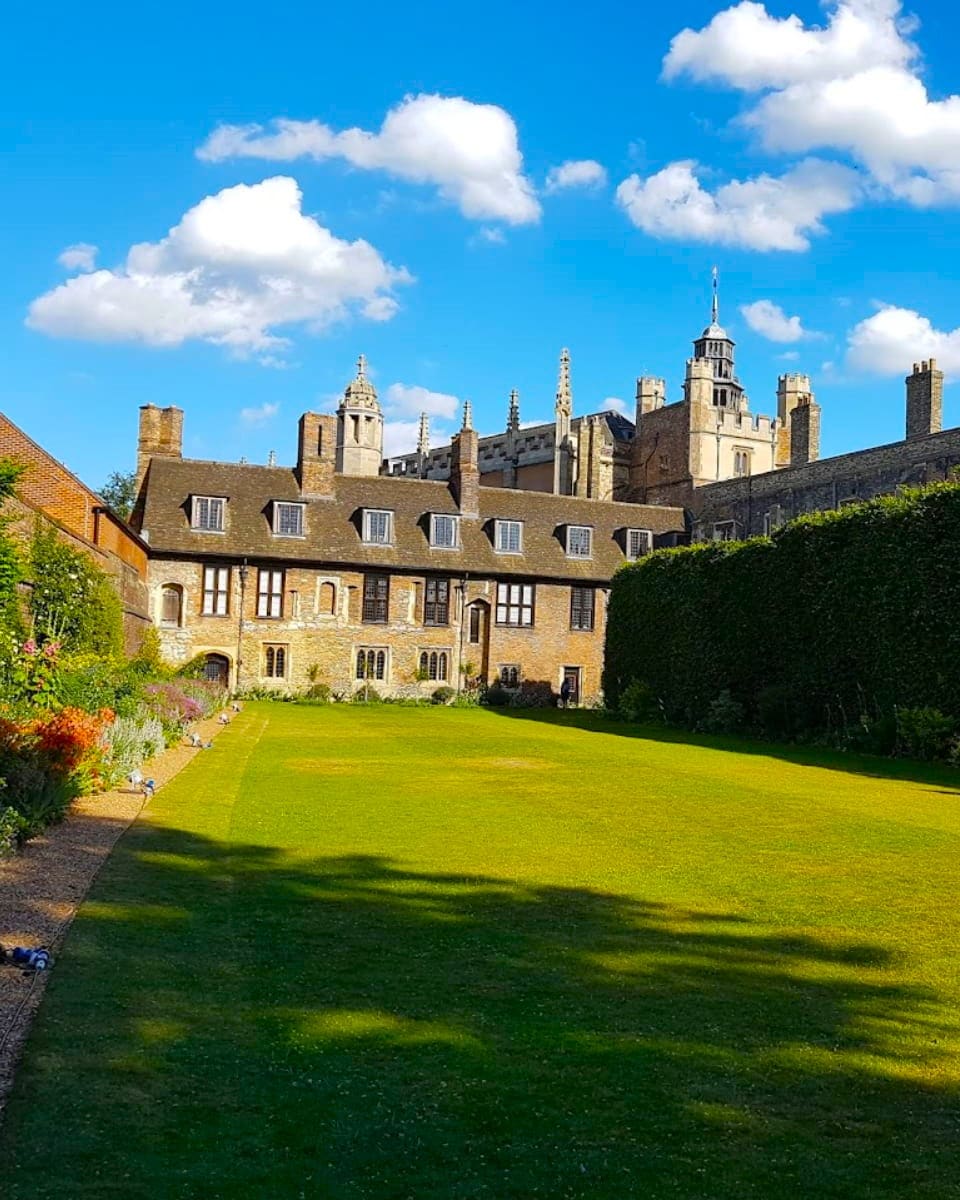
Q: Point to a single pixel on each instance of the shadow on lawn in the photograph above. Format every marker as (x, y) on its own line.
(233, 1021)
(941, 778)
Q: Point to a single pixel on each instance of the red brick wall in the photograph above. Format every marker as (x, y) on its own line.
(51, 489)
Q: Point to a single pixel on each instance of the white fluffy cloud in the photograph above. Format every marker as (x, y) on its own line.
(893, 339)
(770, 321)
(764, 213)
(238, 266)
(746, 48)
(81, 257)
(575, 173)
(402, 399)
(615, 404)
(852, 86)
(261, 415)
(469, 151)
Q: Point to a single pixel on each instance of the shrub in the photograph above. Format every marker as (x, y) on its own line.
(71, 600)
(924, 733)
(367, 695)
(725, 715)
(534, 693)
(13, 830)
(495, 696)
(128, 742)
(443, 695)
(638, 703)
(319, 691)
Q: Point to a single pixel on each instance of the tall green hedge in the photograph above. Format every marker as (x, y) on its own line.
(838, 615)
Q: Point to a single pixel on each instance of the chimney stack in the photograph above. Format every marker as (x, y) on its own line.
(924, 400)
(161, 436)
(316, 453)
(465, 467)
(804, 421)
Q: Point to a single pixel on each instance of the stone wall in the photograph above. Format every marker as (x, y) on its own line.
(760, 502)
(322, 627)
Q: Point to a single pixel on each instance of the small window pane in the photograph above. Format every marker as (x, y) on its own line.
(638, 543)
(376, 527)
(288, 519)
(579, 541)
(269, 593)
(208, 513)
(509, 537)
(216, 582)
(515, 603)
(444, 530)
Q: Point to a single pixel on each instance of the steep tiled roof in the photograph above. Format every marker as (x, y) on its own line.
(333, 526)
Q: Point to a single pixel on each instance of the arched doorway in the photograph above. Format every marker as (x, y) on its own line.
(217, 669)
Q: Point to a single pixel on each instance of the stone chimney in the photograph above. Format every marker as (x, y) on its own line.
(161, 436)
(316, 454)
(804, 432)
(924, 400)
(465, 467)
(792, 390)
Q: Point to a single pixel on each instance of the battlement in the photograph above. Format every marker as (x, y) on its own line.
(745, 424)
(793, 381)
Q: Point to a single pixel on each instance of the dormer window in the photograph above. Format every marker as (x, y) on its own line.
(508, 537)
(287, 519)
(377, 527)
(444, 531)
(207, 512)
(579, 541)
(639, 542)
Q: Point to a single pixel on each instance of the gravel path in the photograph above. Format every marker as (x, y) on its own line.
(42, 887)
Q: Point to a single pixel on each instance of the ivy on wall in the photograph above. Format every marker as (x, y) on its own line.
(839, 616)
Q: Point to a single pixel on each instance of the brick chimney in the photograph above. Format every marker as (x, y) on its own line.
(465, 467)
(161, 436)
(317, 454)
(804, 431)
(924, 400)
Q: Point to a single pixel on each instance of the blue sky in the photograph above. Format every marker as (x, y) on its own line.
(413, 216)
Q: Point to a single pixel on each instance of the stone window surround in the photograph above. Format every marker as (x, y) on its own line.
(276, 660)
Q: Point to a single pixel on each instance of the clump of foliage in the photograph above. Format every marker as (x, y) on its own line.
(442, 695)
(823, 632)
(120, 493)
(638, 703)
(533, 693)
(72, 601)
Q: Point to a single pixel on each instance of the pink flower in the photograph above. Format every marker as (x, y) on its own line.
(29, 646)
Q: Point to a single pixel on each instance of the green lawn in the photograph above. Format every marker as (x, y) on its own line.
(407, 953)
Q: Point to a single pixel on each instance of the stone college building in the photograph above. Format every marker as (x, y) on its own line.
(492, 554)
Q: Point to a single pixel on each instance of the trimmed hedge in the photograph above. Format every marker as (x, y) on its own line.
(839, 617)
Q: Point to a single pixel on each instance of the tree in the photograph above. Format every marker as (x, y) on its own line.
(120, 493)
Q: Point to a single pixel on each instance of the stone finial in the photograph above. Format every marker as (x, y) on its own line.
(362, 367)
(513, 416)
(272, 458)
(564, 394)
(423, 435)
(467, 415)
